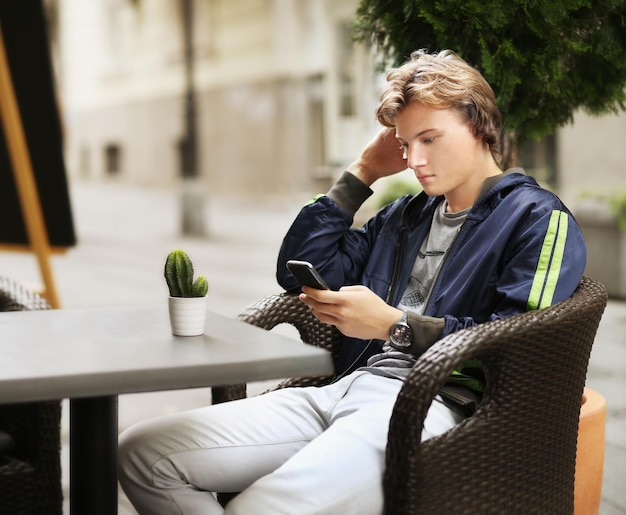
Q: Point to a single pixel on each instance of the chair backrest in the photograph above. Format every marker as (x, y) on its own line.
(517, 453)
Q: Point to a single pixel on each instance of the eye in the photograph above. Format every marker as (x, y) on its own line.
(429, 140)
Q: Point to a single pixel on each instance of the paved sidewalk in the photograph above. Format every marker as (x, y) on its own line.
(125, 233)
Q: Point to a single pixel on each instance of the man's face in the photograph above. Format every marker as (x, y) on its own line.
(444, 154)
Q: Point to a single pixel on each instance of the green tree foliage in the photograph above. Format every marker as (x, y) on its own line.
(543, 58)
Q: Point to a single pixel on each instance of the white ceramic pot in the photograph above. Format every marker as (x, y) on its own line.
(187, 315)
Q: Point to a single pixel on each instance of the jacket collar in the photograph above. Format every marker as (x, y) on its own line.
(490, 182)
(423, 205)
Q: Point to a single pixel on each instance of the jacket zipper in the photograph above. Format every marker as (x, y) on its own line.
(396, 268)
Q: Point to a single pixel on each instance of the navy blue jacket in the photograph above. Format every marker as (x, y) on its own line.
(519, 249)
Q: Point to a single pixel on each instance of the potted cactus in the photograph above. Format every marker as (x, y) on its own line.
(187, 301)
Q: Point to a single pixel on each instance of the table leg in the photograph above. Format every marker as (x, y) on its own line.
(93, 456)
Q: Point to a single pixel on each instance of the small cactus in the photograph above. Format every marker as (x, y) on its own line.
(179, 276)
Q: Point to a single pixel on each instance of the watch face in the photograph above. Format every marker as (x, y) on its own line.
(400, 336)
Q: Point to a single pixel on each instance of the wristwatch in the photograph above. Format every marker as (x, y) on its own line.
(400, 334)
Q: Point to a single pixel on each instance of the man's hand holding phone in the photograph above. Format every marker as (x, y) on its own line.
(355, 310)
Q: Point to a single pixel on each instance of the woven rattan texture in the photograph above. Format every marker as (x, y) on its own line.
(30, 482)
(517, 453)
(285, 308)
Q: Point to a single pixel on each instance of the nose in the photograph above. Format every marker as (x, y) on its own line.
(416, 157)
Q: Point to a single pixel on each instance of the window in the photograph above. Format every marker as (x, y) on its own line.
(346, 71)
(84, 158)
(538, 158)
(112, 159)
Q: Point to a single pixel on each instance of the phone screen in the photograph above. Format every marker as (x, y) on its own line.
(306, 274)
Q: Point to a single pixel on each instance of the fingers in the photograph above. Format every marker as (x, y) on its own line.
(335, 307)
(322, 304)
(316, 299)
(380, 158)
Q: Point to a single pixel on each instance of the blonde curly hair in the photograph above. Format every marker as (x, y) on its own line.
(443, 80)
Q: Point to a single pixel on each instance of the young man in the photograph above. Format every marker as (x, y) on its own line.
(476, 245)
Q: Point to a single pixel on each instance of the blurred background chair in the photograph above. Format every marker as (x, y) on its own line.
(30, 462)
(517, 452)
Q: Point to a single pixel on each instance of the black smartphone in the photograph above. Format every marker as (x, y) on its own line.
(306, 274)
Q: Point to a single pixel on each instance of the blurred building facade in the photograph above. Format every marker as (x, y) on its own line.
(282, 95)
(283, 98)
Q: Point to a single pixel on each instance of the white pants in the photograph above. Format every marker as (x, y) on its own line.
(293, 451)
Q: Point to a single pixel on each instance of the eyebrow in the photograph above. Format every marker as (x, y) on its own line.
(419, 134)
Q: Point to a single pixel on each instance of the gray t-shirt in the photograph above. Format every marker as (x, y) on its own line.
(443, 231)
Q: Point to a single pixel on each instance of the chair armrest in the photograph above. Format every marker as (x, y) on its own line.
(535, 366)
(285, 308)
(427, 377)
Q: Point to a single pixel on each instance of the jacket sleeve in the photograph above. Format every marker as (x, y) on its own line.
(543, 263)
(322, 234)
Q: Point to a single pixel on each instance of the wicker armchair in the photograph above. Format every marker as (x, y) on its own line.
(517, 452)
(30, 477)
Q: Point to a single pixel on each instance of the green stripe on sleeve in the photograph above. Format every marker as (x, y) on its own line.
(550, 261)
(315, 199)
(557, 261)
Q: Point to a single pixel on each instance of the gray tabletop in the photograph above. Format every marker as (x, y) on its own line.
(73, 353)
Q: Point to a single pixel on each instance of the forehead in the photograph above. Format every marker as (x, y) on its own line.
(417, 118)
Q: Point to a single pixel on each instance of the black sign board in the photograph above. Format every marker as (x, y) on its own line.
(25, 35)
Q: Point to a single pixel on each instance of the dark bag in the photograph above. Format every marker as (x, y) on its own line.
(461, 399)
